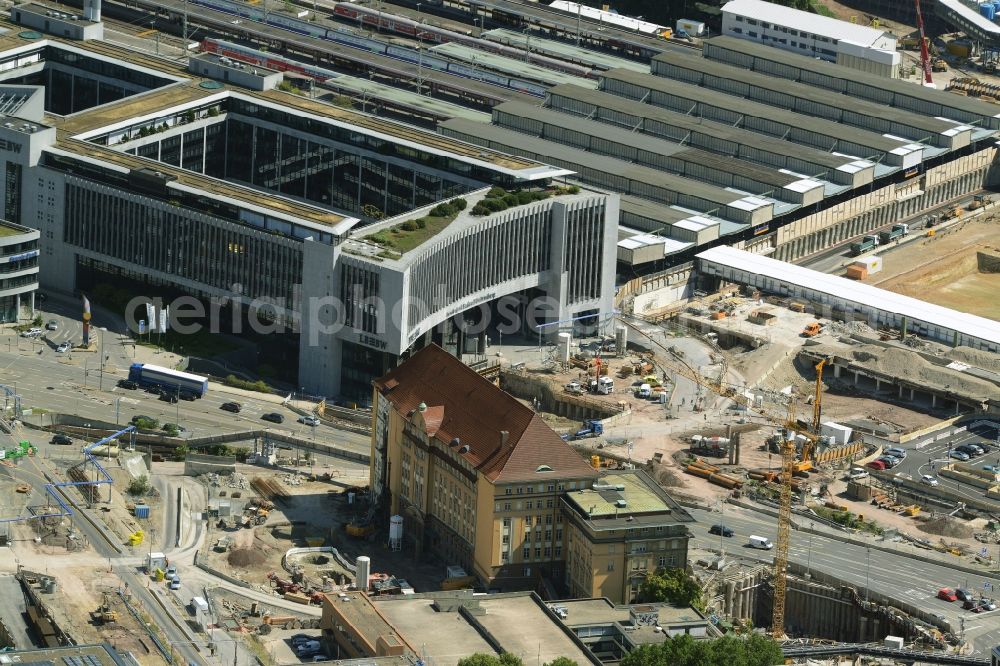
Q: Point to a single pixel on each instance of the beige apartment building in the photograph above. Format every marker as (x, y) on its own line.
(481, 481)
(618, 530)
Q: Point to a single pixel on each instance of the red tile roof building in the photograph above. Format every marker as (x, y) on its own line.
(475, 473)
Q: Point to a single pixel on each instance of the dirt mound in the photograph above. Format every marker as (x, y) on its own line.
(946, 526)
(246, 557)
(905, 364)
(980, 359)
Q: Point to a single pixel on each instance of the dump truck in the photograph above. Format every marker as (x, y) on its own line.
(897, 231)
(591, 428)
(939, 65)
(864, 245)
(811, 329)
(979, 201)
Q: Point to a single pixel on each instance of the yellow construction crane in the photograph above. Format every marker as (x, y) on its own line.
(781, 547)
(818, 399)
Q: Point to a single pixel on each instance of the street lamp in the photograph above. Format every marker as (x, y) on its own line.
(809, 556)
(868, 569)
(103, 331)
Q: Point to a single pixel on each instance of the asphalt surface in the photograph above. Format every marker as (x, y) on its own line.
(927, 457)
(890, 574)
(71, 383)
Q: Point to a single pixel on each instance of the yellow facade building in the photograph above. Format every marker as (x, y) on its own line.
(478, 478)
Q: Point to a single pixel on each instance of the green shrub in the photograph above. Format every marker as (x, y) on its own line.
(494, 205)
(147, 424)
(139, 485)
(459, 204)
(421, 223)
(573, 189)
(495, 193)
(510, 200)
(442, 210)
(409, 225)
(260, 386)
(479, 210)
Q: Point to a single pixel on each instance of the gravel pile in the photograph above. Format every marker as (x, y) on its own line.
(946, 526)
(850, 328)
(907, 365)
(975, 357)
(246, 557)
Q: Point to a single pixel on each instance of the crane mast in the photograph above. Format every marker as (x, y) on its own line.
(925, 58)
(781, 547)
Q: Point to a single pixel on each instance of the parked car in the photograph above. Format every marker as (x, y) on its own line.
(721, 529)
(890, 461)
(127, 384)
(947, 594)
(977, 449)
(971, 605)
(175, 583)
(31, 333)
(968, 450)
(168, 396)
(309, 420)
(273, 417)
(896, 452)
(928, 479)
(876, 464)
(958, 455)
(187, 395)
(858, 473)
(963, 595)
(233, 407)
(61, 439)
(987, 604)
(64, 347)
(52, 325)
(154, 389)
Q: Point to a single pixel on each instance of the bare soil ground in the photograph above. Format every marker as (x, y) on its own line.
(946, 272)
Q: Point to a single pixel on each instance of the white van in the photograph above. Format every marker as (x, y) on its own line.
(175, 583)
(760, 543)
(644, 391)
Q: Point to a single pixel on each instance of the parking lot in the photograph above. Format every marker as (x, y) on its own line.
(926, 456)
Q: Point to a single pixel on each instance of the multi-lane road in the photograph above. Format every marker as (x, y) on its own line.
(890, 574)
(73, 383)
(927, 456)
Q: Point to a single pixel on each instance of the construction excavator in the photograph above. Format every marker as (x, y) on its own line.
(104, 614)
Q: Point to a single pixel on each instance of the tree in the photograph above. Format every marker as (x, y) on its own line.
(673, 586)
(562, 661)
(683, 650)
(139, 485)
(481, 659)
(762, 651)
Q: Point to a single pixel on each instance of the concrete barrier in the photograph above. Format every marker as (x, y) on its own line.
(291, 552)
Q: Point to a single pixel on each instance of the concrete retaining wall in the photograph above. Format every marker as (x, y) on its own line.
(526, 387)
(988, 262)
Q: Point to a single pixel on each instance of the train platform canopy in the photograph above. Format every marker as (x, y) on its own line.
(692, 69)
(852, 82)
(645, 248)
(372, 92)
(839, 172)
(877, 306)
(563, 50)
(624, 177)
(509, 66)
(657, 153)
(890, 154)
